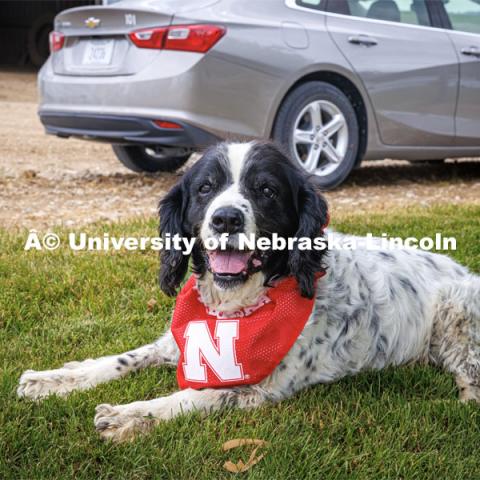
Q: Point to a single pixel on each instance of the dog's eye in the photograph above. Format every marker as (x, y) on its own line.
(205, 188)
(267, 191)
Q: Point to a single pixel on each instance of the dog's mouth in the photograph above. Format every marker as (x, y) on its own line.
(231, 267)
(229, 262)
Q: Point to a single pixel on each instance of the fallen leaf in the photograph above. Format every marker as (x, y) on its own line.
(240, 442)
(29, 174)
(253, 460)
(151, 304)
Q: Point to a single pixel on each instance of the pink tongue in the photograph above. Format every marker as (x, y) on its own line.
(228, 261)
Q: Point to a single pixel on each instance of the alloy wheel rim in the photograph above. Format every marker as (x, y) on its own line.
(320, 137)
(162, 153)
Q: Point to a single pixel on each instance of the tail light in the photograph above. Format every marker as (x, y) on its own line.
(168, 125)
(56, 40)
(149, 38)
(193, 38)
(188, 38)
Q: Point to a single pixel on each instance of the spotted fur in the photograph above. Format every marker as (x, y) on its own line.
(372, 309)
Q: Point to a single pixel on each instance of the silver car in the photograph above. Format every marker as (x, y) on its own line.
(333, 81)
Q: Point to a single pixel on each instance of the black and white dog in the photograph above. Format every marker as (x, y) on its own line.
(372, 308)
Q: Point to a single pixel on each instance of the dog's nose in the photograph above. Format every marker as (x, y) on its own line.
(227, 220)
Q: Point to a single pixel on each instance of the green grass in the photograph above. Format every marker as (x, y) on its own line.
(60, 306)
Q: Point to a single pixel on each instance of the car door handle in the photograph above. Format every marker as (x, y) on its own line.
(471, 51)
(363, 40)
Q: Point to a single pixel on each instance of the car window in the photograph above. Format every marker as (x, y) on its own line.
(315, 4)
(405, 11)
(464, 14)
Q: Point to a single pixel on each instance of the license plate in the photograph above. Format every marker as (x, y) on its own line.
(98, 52)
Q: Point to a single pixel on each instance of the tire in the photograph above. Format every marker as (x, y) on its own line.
(151, 160)
(37, 41)
(297, 115)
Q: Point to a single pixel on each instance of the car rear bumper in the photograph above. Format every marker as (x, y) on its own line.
(176, 86)
(119, 129)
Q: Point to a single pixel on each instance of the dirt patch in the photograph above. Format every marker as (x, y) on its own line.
(46, 181)
(18, 85)
(24, 146)
(34, 201)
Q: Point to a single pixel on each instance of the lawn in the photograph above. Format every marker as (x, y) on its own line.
(60, 306)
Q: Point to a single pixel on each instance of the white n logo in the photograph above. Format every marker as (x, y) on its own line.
(220, 356)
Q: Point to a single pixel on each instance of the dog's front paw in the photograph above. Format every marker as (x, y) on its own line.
(118, 425)
(36, 385)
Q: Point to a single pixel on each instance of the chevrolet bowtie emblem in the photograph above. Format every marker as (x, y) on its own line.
(92, 22)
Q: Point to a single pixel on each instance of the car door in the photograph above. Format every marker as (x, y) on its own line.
(464, 16)
(409, 68)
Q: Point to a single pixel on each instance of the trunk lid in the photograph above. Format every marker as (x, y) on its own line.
(96, 38)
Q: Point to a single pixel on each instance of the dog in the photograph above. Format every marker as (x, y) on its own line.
(367, 309)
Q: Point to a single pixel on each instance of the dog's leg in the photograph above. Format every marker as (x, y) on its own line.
(84, 375)
(455, 341)
(123, 422)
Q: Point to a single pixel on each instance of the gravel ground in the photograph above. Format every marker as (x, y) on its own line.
(46, 181)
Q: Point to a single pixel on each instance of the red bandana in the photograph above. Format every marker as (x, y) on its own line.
(243, 348)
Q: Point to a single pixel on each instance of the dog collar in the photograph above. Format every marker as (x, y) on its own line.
(241, 348)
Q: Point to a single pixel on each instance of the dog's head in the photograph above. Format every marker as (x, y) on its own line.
(242, 188)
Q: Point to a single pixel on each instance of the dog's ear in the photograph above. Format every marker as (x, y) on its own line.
(312, 219)
(173, 263)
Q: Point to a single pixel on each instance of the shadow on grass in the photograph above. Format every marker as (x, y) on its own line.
(409, 383)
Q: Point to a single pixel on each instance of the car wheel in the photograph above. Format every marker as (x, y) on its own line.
(37, 41)
(318, 127)
(151, 159)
